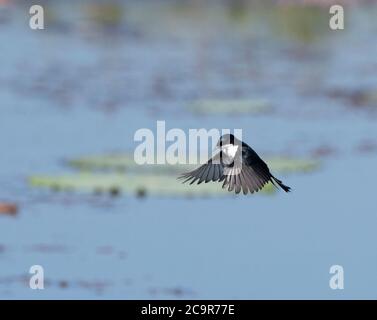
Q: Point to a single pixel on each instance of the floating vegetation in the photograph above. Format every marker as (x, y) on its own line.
(231, 106)
(121, 163)
(105, 14)
(291, 165)
(126, 163)
(134, 184)
(8, 208)
(357, 98)
(158, 180)
(48, 248)
(324, 151)
(116, 162)
(303, 23)
(238, 10)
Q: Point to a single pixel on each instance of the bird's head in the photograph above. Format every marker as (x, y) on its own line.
(227, 139)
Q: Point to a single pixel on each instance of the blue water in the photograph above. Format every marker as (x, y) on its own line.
(67, 93)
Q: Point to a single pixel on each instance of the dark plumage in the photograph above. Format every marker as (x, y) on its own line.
(238, 165)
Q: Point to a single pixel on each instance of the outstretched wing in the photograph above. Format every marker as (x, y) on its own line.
(245, 178)
(213, 170)
(249, 174)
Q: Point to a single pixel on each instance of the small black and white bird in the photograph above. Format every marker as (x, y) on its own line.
(238, 165)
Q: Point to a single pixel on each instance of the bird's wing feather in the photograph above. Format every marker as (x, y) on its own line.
(211, 171)
(245, 179)
(249, 173)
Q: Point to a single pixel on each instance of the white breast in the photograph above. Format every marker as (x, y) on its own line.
(229, 150)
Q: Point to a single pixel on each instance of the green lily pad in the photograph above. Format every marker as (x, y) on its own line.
(105, 14)
(122, 163)
(157, 185)
(213, 107)
(159, 180)
(292, 165)
(114, 162)
(302, 23)
(125, 162)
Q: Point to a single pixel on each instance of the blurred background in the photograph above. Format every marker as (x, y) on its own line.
(73, 201)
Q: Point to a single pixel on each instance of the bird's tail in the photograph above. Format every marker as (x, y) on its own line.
(281, 184)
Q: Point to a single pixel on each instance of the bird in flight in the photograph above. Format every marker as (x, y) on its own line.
(238, 165)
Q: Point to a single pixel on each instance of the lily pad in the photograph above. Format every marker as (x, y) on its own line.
(292, 165)
(122, 163)
(125, 162)
(118, 173)
(105, 14)
(115, 162)
(301, 23)
(213, 107)
(157, 185)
